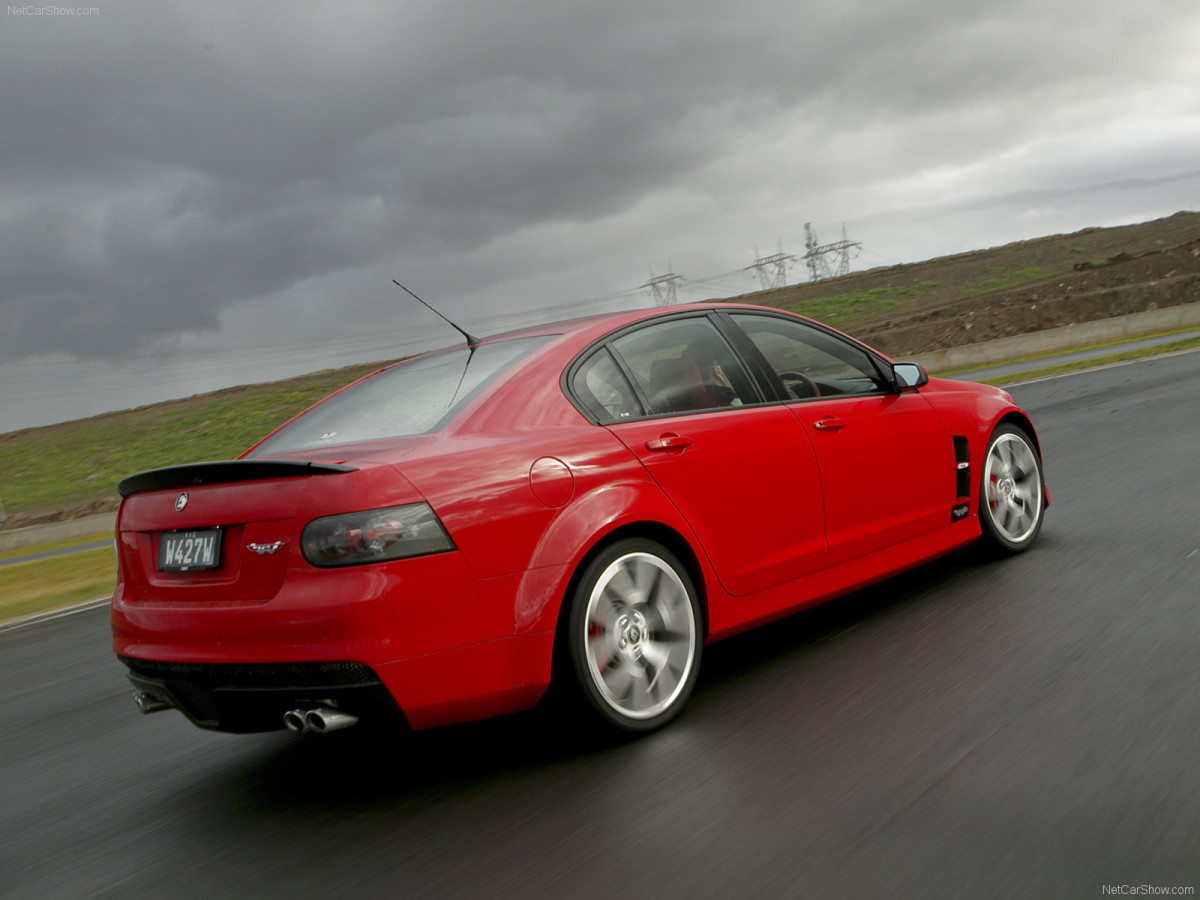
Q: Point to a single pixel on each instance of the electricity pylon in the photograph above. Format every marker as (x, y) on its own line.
(663, 287)
(771, 270)
(818, 267)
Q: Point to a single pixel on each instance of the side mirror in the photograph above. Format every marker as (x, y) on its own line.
(910, 376)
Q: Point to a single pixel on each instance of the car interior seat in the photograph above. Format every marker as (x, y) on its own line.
(676, 386)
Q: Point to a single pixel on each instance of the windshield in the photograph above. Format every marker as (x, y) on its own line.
(413, 397)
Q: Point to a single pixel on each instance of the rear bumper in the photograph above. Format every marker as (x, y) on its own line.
(458, 685)
(244, 698)
(426, 640)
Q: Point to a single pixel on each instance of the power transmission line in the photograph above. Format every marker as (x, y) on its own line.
(770, 270)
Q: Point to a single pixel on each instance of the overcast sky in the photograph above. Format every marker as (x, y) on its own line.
(201, 194)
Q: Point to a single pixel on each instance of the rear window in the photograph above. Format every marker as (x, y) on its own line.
(414, 397)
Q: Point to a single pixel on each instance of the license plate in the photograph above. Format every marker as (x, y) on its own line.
(189, 551)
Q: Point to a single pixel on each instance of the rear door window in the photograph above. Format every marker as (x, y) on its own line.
(685, 365)
(603, 389)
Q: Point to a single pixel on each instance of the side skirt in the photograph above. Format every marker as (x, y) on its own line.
(730, 615)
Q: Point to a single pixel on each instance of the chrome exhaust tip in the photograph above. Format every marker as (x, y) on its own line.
(324, 719)
(295, 720)
(148, 703)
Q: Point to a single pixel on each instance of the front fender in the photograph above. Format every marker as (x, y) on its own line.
(972, 410)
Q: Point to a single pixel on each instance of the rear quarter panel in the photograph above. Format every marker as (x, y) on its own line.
(526, 487)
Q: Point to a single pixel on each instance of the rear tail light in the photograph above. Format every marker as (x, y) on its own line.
(378, 535)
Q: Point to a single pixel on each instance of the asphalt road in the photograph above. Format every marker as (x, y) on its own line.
(1020, 728)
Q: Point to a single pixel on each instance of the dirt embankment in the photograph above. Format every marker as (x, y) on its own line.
(1122, 285)
(67, 512)
(1024, 287)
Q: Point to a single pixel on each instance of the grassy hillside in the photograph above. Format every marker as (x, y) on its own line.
(73, 468)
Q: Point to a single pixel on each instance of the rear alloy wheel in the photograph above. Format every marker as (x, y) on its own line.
(635, 635)
(1012, 497)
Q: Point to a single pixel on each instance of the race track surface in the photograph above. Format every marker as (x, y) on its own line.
(1019, 728)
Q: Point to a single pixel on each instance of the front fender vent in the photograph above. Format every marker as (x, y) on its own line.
(962, 467)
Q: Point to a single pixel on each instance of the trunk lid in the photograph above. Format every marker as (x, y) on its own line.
(251, 512)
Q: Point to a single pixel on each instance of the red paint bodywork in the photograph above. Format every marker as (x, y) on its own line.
(770, 512)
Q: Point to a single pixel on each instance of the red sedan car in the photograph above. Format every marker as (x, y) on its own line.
(590, 502)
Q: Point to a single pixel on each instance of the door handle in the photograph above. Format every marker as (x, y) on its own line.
(668, 442)
(829, 424)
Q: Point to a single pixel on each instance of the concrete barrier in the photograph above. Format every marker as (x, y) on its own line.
(1056, 340)
(57, 531)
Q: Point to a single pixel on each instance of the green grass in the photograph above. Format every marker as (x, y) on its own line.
(84, 460)
(1006, 278)
(49, 584)
(854, 306)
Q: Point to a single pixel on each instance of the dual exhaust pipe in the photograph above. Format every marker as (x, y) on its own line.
(302, 721)
(318, 721)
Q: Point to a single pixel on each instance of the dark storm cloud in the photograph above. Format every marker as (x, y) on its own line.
(160, 164)
(159, 167)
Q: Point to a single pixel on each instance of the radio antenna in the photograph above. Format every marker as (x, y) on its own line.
(471, 339)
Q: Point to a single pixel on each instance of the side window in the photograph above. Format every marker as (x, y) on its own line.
(685, 364)
(810, 362)
(599, 385)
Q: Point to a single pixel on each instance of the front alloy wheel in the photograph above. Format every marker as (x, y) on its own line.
(635, 635)
(1012, 498)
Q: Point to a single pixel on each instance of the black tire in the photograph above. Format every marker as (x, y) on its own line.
(635, 635)
(1012, 496)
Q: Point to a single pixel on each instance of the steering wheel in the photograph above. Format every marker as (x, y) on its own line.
(793, 380)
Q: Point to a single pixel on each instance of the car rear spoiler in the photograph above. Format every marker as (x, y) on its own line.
(223, 472)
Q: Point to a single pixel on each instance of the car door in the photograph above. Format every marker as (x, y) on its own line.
(884, 457)
(742, 472)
